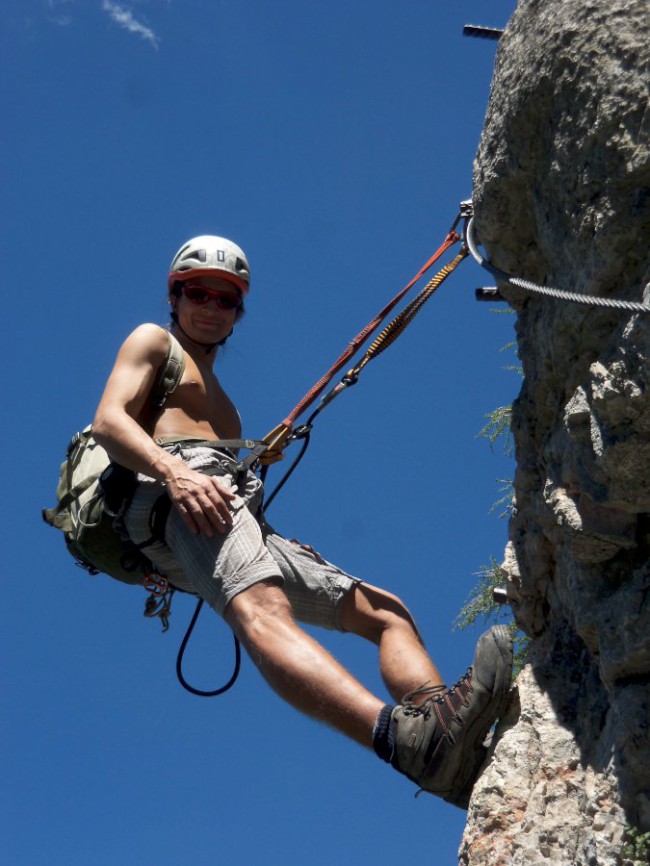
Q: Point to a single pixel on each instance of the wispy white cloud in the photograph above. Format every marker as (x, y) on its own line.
(125, 18)
(57, 17)
(60, 20)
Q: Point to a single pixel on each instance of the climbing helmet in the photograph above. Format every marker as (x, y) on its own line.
(209, 256)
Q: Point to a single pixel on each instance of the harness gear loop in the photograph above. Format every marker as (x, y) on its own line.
(159, 603)
(156, 584)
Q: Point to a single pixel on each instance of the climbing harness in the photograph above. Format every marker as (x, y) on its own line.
(560, 294)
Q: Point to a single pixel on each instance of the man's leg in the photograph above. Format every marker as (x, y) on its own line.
(298, 668)
(383, 619)
(435, 738)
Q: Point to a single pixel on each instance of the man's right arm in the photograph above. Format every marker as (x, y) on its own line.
(201, 500)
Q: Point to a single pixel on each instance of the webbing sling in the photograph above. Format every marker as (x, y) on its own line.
(278, 438)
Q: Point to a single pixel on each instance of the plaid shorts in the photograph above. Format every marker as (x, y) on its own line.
(219, 568)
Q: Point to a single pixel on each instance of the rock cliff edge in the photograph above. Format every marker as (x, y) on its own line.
(562, 198)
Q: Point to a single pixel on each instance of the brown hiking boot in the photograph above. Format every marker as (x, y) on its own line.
(439, 742)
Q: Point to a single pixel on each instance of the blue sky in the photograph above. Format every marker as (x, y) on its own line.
(333, 141)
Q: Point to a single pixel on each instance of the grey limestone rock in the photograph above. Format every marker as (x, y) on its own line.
(562, 197)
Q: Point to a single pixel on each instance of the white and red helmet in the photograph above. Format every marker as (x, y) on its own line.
(210, 256)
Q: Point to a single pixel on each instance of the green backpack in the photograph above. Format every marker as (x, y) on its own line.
(87, 504)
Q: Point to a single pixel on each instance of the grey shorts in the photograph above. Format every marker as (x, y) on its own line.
(219, 568)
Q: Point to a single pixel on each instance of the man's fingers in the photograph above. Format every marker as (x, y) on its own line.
(205, 518)
(203, 504)
(218, 498)
(187, 517)
(217, 512)
(224, 490)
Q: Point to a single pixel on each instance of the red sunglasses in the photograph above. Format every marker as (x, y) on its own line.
(200, 295)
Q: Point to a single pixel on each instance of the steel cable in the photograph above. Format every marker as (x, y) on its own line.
(560, 294)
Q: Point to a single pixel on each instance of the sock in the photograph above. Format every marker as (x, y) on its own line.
(383, 740)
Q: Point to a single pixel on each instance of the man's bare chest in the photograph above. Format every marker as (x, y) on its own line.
(201, 397)
(197, 389)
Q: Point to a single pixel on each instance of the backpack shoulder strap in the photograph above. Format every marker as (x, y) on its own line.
(170, 373)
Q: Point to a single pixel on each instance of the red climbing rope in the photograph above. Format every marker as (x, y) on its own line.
(279, 436)
(361, 337)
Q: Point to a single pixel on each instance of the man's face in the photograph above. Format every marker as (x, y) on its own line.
(207, 308)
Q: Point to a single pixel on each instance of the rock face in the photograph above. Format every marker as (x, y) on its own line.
(562, 198)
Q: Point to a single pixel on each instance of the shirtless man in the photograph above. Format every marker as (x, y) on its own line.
(217, 544)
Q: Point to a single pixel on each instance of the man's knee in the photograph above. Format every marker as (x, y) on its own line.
(258, 609)
(368, 611)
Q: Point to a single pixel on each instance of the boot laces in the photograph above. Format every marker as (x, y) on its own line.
(448, 700)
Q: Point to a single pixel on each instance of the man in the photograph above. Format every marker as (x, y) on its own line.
(217, 544)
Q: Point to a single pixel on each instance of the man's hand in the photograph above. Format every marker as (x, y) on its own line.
(202, 501)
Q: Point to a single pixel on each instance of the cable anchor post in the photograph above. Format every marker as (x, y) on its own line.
(481, 32)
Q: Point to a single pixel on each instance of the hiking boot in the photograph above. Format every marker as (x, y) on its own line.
(439, 742)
